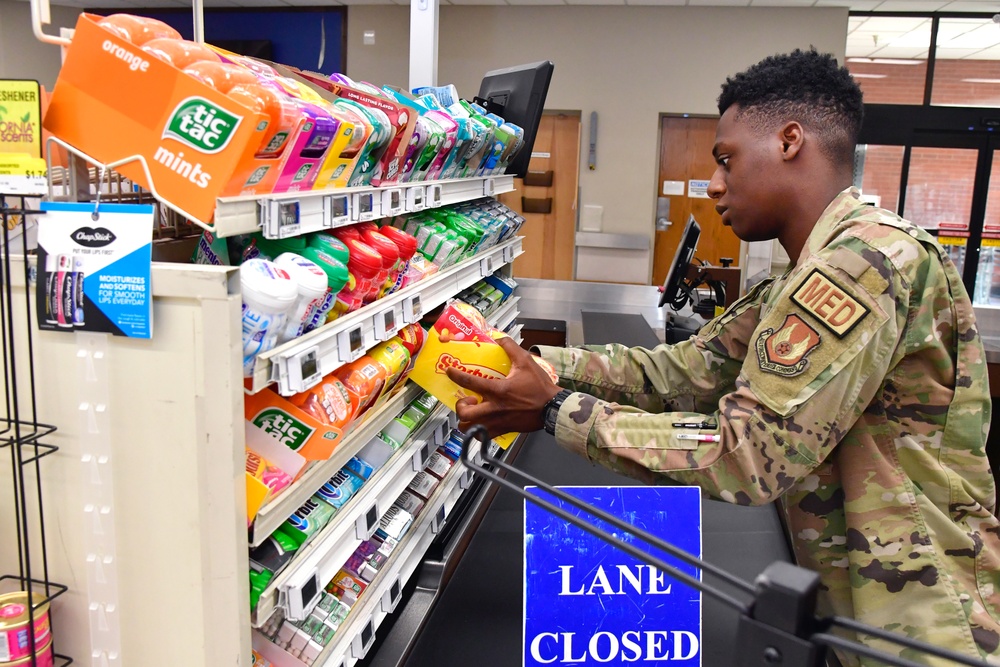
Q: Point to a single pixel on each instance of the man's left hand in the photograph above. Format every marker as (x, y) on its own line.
(510, 405)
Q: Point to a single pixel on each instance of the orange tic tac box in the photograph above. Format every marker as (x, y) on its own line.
(114, 101)
(462, 339)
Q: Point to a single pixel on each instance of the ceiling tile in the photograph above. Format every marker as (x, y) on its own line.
(969, 6)
(911, 6)
(655, 2)
(956, 54)
(856, 5)
(718, 3)
(989, 54)
(782, 3)
(901, 52)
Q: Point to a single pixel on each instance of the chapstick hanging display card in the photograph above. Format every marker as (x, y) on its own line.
(94, 275)
(587, 602)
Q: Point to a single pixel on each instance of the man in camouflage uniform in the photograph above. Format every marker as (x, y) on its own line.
(852, 389)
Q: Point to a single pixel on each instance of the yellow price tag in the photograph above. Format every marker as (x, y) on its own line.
(22, 175)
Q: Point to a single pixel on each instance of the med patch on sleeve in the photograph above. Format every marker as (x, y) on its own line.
(816, 328)
(830, 304)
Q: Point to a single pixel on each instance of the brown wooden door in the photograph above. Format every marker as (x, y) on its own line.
(686, 155)
(549, 238)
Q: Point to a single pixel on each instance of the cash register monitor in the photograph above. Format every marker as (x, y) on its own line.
(675, 292)
(517, 94)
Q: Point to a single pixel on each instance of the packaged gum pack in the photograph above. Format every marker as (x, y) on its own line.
(462, 339)
(308, 520)
(340, 488)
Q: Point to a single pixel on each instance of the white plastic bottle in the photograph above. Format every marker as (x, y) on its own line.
(269, 293)
(312, 288)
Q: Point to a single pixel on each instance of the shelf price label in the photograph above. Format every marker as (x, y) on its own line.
(412, 309)
(415, 198)
(367, 523)
(363, 641)
(336, 210)
(438, 520)
(385, 324)
(421, 456)
(433, 197)
(508, 254)
(350, 344)
(363, 207)
(393, 202)
(303, 371)
(489, 187)
(281, 218)
(300, 594)
(391, 597)
(23, 175)
(486, 266)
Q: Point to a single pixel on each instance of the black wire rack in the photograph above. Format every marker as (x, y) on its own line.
(22, 433)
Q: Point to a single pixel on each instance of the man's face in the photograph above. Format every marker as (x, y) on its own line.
(746, 182)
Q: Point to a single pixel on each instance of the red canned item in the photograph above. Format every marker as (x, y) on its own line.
(43, 658)
(14, 641)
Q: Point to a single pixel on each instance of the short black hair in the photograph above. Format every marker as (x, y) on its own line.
(805, 86)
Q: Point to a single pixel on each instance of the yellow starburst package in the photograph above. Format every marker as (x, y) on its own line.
(462, 339)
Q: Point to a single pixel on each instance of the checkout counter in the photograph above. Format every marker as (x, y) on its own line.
(466, 606)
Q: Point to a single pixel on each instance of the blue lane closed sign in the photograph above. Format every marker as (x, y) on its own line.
(587, 602)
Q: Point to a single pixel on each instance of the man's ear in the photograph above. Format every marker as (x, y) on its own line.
(792, 136)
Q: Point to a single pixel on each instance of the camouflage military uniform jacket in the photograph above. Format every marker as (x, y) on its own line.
(853, 388)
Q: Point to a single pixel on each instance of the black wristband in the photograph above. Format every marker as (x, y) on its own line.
(551, 410)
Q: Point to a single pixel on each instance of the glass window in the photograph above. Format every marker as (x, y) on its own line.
(967, 66)
(939, 195)
(887, 55)
(987, 290)
(883, 166)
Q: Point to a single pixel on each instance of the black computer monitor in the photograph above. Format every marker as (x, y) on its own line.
(517, 94)
(674, 293)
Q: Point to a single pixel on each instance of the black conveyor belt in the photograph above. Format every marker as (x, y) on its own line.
(477, 619)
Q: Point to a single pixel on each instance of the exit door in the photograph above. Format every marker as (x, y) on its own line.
(919, 163)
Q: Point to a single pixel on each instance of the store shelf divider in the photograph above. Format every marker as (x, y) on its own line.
(368, 609)
(355, 636)
(302, 363)
(323, 557)
(296, 213)
(276, 512)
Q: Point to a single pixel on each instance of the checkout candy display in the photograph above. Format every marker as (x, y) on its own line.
(226, 125)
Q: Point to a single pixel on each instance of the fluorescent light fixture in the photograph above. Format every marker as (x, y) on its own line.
(858, 75)
(981, 80)
(885, 61)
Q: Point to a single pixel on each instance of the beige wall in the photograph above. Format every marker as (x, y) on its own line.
(21, 55)
(629, 64)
